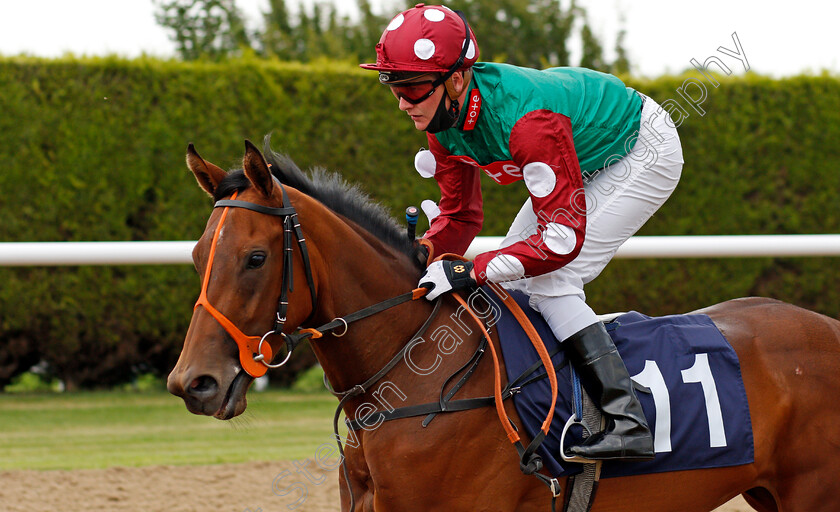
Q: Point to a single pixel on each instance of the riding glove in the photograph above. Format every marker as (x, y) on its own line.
(445, 276)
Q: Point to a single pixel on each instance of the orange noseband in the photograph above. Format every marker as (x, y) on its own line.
(250, 347)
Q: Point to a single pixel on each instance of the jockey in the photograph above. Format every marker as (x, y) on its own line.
(598, 159)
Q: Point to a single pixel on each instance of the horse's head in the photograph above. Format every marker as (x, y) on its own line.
(247, 264)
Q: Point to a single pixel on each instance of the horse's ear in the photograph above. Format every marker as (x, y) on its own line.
(256, 169)
(207, 174)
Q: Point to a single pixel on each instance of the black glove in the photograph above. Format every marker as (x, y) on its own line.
(445, 276)
(422, 254)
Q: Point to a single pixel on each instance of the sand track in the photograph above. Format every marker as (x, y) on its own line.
(217, 488)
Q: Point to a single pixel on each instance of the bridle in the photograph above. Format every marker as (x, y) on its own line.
(255, 354)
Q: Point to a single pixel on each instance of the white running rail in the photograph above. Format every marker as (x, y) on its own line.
(179, 252)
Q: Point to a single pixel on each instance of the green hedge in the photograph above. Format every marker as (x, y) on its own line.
(93, 149)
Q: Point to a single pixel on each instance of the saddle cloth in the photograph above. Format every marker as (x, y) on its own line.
(694, 397)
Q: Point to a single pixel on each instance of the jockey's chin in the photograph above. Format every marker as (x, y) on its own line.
(422, 113)
(420, 119)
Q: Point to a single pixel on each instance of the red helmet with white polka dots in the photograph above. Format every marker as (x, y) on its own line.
(425, 39)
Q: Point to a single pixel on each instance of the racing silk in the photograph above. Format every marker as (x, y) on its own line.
(551, 128)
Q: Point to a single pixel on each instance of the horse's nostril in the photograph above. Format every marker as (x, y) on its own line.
(203, 386)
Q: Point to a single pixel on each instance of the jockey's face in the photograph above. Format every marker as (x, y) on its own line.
(423, 112)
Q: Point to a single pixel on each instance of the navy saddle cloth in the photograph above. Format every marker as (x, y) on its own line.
(694, 397)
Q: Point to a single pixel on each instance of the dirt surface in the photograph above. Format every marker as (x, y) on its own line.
(224, 488)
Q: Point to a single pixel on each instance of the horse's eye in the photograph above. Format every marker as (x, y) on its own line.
(256, 260)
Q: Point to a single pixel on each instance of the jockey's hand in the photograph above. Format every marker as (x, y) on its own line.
(422, 254)
(446, 276)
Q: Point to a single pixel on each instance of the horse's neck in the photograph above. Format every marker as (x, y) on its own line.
(357, 271)
(364, 272)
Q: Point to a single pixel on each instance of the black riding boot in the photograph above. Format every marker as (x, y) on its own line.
(605, 379)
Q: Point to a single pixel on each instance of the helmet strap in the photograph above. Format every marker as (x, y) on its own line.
(444, 118)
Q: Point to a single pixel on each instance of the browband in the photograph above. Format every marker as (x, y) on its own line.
(268, 210)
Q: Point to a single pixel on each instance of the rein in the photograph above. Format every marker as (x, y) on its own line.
(293, 340)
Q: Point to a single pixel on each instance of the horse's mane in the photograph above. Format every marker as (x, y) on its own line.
(334, 192)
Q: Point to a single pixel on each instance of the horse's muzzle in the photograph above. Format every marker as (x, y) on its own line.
(205, 395)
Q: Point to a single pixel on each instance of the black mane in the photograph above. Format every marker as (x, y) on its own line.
(334, 192)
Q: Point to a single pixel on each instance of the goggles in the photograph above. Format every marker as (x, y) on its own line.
(415, 92)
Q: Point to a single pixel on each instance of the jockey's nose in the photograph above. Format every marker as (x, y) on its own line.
(404, 105)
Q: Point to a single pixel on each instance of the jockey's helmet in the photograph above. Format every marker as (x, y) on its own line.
(421, 40)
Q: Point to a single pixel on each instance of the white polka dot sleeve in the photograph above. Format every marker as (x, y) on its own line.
(541, 144)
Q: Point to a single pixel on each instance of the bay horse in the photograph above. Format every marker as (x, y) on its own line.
(354, 255)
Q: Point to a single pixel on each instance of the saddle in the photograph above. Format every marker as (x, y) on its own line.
(688, 380)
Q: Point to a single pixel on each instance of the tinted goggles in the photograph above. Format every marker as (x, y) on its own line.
(415, 92)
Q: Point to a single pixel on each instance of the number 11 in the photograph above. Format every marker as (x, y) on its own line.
(651, 378)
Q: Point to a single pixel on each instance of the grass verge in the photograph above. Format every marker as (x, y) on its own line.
(105, 429)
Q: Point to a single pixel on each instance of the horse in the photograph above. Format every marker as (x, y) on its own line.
(355, 255)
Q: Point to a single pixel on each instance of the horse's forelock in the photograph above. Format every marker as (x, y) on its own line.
(233, 182)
